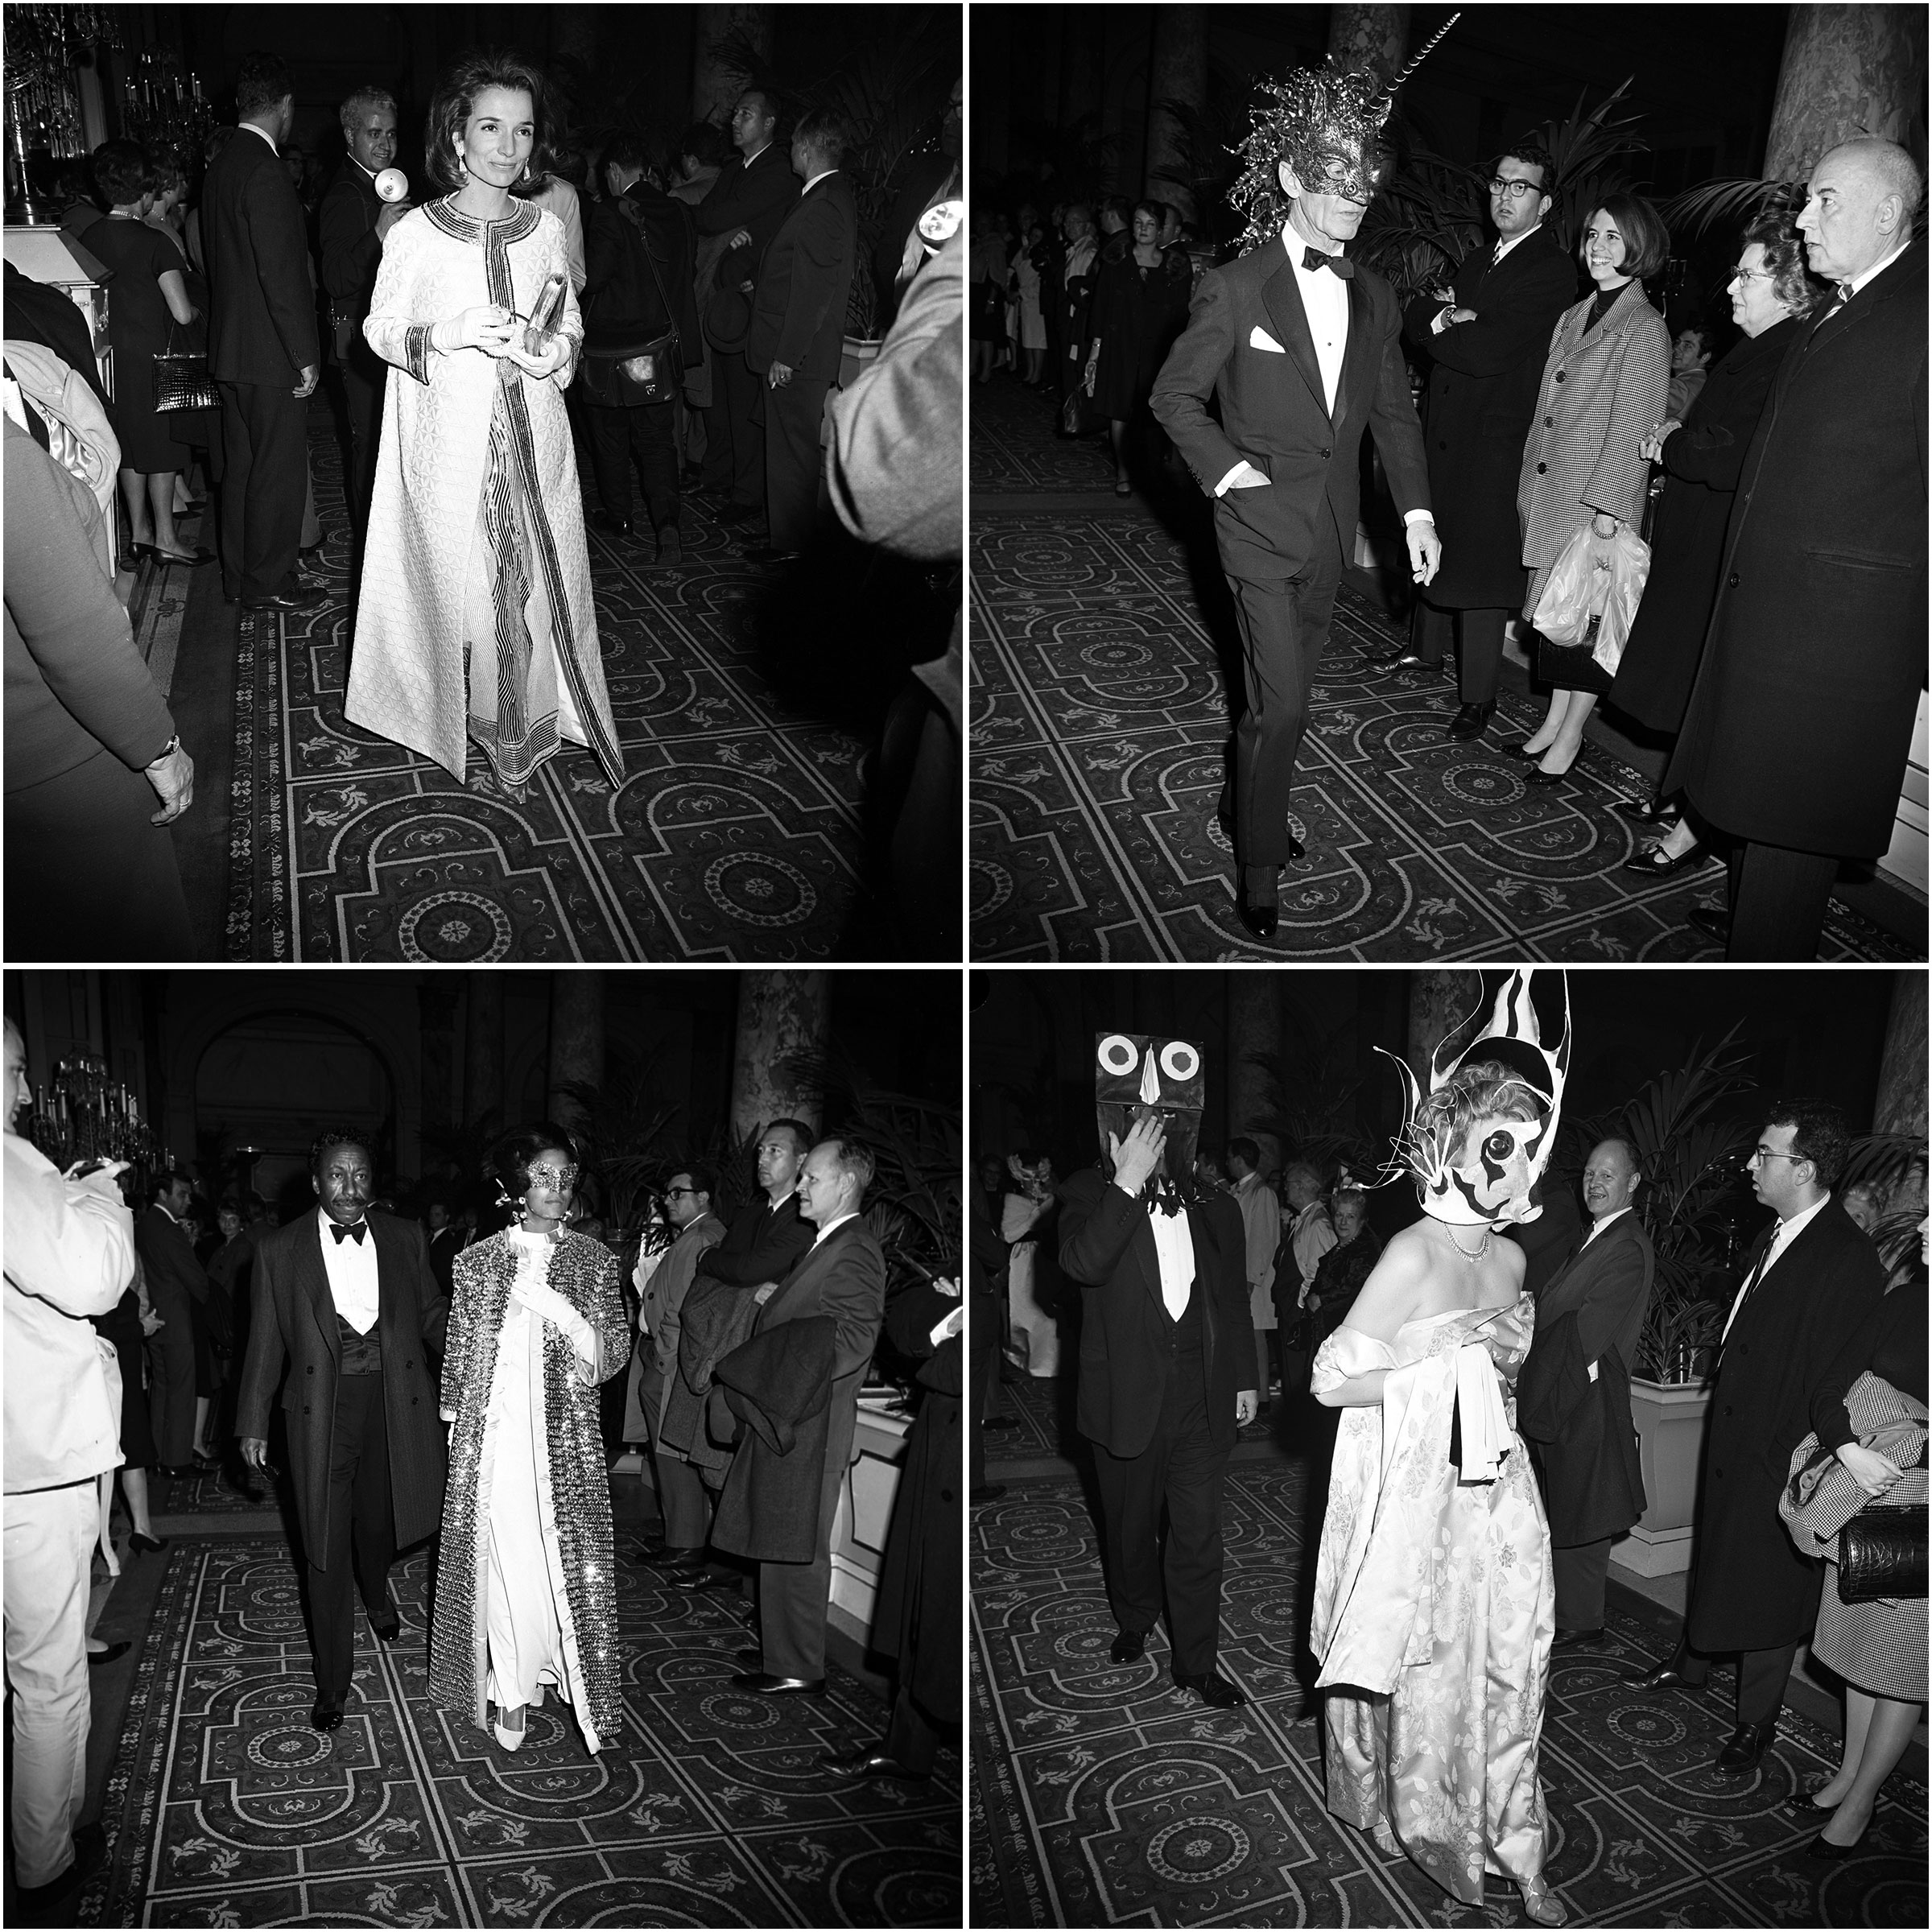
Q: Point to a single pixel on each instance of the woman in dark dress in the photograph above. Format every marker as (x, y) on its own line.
(1076, 300)
(1140, 306)
(1702, 457)
(124, 1326)
(1879, 1649)
(150, 291)
(1338, 1275)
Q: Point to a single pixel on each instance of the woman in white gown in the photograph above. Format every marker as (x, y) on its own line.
(474, 618)
(524, 1595)
(1434, 1600)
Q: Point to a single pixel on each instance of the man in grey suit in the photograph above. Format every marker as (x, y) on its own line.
(1588, 1478)
(841, 1275)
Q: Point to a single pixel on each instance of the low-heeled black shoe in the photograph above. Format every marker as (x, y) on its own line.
(870, 1763)
(1800, 1801)
(1712, 923)
(1214, 1689)
(389, 1633)
(1654, 863)
(1550, 779)
(142, 1544)
(1471, 721)
(1640, 814)
(1402, 660)
(1663, 1678)
(1748, 1744)
(1128, 1646)
(1263, 921)
(327, 1715)
(1821, 1846)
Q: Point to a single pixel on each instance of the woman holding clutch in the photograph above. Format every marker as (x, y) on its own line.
(475, 617)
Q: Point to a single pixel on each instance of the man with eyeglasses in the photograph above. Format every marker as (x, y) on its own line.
(681, 1500)
(1486, 336)
(1808, 1281)
(1800, 722)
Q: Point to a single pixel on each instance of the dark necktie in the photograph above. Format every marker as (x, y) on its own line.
(354, 1232)
(1313, 258)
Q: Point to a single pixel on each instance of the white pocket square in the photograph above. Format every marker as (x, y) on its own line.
(1261, 339)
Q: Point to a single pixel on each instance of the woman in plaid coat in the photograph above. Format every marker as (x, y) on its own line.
(1605, 385)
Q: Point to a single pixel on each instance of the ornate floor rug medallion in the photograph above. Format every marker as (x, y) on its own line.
(1102, 1796)
(224, 1808)
(1101, 722)
(735, 834)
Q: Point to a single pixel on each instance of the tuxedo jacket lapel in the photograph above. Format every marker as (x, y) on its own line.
(315, 1272)
(1281, 297)
(1355, 372)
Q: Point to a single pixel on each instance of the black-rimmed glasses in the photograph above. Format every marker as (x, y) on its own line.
(1514, 190)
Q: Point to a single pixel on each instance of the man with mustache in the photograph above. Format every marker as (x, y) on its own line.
(349, 1302)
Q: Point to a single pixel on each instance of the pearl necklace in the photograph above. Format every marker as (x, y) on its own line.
(1463, 1252)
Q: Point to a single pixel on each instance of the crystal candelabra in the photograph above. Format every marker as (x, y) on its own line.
(162, 107)
(43, 102)
(85, 1116)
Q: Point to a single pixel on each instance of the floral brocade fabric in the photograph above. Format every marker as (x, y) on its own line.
(1435, 1608)
(585, 1273)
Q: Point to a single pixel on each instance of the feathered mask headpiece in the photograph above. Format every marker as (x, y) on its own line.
(1327, 125)
(1495, 1185)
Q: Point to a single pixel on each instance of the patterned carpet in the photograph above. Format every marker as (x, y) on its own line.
(1100, 721)
(1100, 1795)
(224, 1808)
(736, 835)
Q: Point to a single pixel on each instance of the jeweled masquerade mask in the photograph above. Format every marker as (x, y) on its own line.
(561, 1179)
(1509, 1156)
(1327, 126)
(1137, 1074)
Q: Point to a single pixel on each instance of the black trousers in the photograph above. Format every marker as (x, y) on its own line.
(647, 433)
(264, 485)
(1582, 1570)
(1284, 631)
(360, 1512)
(740, 426)
(793, 468)
(983, 1369)
(912, 1736)
(1777, 902)
(1181, 1468)
(1761, 1677)
(364, 375)
(1481, 635)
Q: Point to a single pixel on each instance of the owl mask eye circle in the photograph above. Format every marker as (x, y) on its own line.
(1118, 1054)
(1499, 1145)
(1179, 1061)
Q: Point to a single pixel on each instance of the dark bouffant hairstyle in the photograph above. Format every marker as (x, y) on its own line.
(261, 81)
(510, 1158)
(121, 172)
(1792, 281)
(339, 1136)
(706, 140)
(1820, 1135)
(1646, 241)
(826, 131)
(455, 101)
(1532, 154)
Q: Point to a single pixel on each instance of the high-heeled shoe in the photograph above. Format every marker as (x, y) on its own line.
(1654, 862)
(1821, 1846)
(1545, 778)
(1641, 813)
(1801, 1803)
(1541, 1905)
(192, 559)
(507, 1736)
(1525, 750)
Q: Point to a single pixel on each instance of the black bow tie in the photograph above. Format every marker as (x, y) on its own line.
(354, 1232)
(1314, 258)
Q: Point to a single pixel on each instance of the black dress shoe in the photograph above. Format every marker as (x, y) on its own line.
(288, 601)
(142, 1545)
(1263, 921)
(870, 1763)
(326, 1716)
(618, 527)
(1664, 1677)
(987, 1492)
(1640, 814)
(1574, 1639)
(767, 1686)
(1713, 924)
(1653, 863)
(1404, 660)
(1748, 1744)
(1214, 1689)
(1001, 1422)
(1128, 1646)
(96, 1658)
(191, 559)
(389, 1633)
(1821, 1846)
(686, 1571)
(1471, 721)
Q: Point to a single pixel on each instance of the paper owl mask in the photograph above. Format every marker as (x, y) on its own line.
(1136, 1073)
(1510, 1156)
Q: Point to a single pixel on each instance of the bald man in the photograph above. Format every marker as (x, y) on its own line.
(1800, 721)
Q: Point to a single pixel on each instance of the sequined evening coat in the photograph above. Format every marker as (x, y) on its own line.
(585, 1273)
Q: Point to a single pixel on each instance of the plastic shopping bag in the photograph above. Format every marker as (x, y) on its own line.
(1592, 597)
(1562, 614)
(1629, 570)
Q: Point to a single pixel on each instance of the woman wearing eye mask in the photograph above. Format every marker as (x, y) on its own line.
(524, 1599)
(1434, 1595)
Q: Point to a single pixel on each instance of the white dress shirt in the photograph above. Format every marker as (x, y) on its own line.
(1174, 1246)
(352, 1279)
(1781, 1237)
(814, 180)
(1878, 267)
(838, 1221)
(1596, 1227)
(254, 128)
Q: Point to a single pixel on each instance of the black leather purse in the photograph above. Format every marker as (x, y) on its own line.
(645, 371)
(1881, 1553)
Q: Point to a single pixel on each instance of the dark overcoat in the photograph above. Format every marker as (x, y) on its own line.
(1751, 1590)
(916, 1619)
(293, 1323)
(1274, 413)
(262, 325)
(1126, 1351)
(1482, 393)
(1800, 721)
(1548, 1241)
(1701, 463)
(777, 1387)
(1134, 316)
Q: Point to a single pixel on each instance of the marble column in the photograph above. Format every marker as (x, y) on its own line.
(483, 1050)
(1440, 999)
(1254, 1054)
(781, 1016)
(714, 88)
(1365, 36)
(1177, 71)
(576, 1042)
(1901, 1107)
(1846, 70)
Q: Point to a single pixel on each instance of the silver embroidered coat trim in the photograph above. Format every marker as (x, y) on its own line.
(585, 1273)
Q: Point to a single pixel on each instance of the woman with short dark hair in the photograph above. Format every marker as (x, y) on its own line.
(1604, 384)
(1139, 309)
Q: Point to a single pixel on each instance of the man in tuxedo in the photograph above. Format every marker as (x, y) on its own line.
(1486, 336)
(1801, 718)
(1809, 1280)
(261, 345)
(841, 1275)
(746, 206)
(177, 1285)
(346, 1300)
(354, 221)
(1588, 1322)
(1301, 349)
(1166, 1357)
(797, 329)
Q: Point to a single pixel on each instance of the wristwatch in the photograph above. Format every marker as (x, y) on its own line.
(168, 751)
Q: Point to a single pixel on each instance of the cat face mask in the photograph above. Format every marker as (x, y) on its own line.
(1137, 1074)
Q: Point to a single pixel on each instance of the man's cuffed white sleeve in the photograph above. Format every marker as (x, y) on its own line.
(1418, 516)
